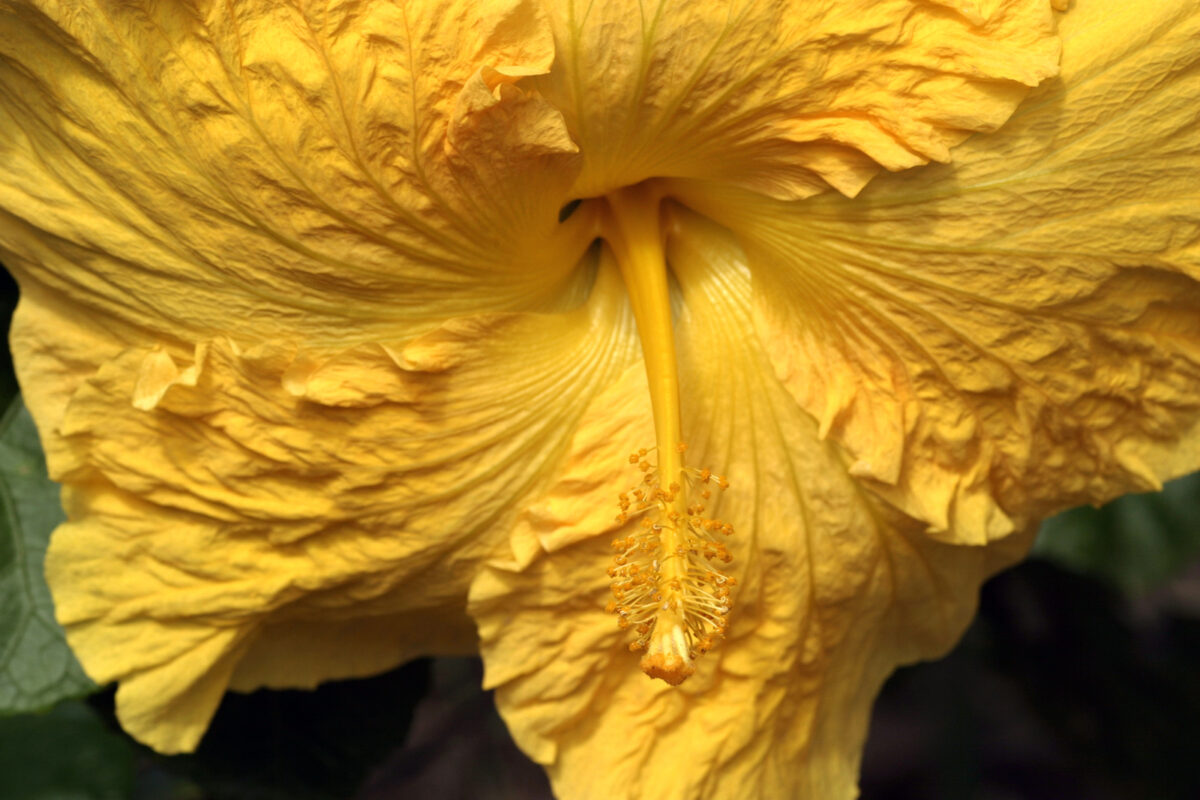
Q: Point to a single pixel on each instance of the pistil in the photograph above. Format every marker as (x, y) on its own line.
(664, 586)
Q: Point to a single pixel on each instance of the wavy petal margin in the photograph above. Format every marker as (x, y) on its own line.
(787, 97)
(288, 326)
(1016, 333)
(330, 173)
(835, 589)
(934, 365)
(263, 515)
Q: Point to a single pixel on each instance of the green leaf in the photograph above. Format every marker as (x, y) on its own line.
(1137, 542)
(66, 754)
(37, 669)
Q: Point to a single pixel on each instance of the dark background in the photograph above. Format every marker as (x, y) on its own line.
(1080, 680)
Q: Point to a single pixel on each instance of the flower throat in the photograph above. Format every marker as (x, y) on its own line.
(665, 583)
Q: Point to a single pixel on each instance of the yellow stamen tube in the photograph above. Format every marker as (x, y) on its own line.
(663, 586)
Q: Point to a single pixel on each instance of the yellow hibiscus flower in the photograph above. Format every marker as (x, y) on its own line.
(335, 371)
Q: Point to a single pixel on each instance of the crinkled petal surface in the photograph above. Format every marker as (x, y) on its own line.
(307, 342)
(787, 97)
(302, 524)
(996, 339)
(297, 167)
(897, 386)
(289, 354)
(835, 588)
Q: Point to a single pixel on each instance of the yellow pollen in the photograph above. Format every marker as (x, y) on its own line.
(665, 586)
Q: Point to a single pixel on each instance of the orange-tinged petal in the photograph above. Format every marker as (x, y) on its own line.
(787, 98)
(998, 339)
(834, 589)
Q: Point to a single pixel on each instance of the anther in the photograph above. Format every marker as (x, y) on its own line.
(664, 586)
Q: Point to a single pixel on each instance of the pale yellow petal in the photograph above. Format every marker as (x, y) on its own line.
(834, 589)
(343, 173)
(1019, 332)
(787, 97)
(286, 516)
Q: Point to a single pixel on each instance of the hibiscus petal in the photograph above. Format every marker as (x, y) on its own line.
(281, 517)
(787, 98)
(1017, 333)
(254, 244)
(834, 588)
(362, 171)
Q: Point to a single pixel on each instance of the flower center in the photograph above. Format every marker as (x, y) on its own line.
(663, 584)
